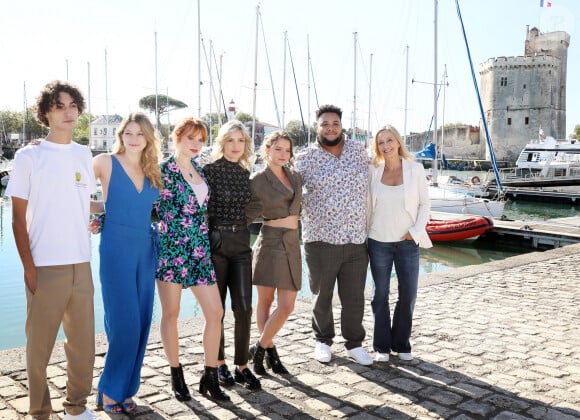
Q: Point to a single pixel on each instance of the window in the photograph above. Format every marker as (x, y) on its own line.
(509, 121)
(503, 81)
(524, 85)
(527, 120)
(95, 131)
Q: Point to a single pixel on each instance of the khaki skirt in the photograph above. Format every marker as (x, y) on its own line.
(276, 260)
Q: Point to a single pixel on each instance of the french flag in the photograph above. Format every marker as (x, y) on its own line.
(545, 3)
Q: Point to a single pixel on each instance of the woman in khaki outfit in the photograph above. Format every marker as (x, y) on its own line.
(276, 261)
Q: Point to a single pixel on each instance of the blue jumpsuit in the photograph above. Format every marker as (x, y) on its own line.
(127, 273)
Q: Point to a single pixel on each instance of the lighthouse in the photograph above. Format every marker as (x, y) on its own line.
(231, 113)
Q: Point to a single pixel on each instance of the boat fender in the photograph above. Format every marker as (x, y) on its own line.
(475, 180)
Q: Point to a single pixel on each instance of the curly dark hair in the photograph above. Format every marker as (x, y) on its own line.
(329, 108)
(49, 97)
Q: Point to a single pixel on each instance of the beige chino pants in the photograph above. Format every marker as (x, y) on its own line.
(64, 295)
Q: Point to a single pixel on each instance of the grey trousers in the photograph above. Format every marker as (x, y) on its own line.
(345, 265)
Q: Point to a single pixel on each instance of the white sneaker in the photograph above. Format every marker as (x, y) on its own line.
(85, 415)
(405, 356)
(360, 356)
(322, 352)
(382, 357)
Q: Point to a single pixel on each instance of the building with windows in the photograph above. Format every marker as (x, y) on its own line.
(103, 131)
(522, 95)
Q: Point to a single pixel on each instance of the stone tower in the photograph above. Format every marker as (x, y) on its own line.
(522, 94)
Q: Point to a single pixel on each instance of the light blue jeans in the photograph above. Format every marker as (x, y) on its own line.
(405, 256)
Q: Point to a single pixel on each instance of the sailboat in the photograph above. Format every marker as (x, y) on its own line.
(445, 199)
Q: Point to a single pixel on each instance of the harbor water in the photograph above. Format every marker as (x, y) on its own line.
(436, 259)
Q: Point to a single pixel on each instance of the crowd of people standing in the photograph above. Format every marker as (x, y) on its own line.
(175, 224)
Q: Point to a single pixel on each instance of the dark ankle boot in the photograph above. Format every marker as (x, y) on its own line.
(257, 354)
(209, 382)
(273, 361)
(178, 384)
(247, 378)
(225, 377)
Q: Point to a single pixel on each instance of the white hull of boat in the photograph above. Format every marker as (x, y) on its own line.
(446, 201)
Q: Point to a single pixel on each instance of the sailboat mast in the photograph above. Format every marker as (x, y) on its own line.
(435, 84)
(198, 60)
(370, 93)
(106, 99)
(284, 82)
(444, 81)
(255, 76)
(156, 90)
(406, 93)
(354, 95)
(89, 99)
(25, 115)
(308, 72)
(210, 89)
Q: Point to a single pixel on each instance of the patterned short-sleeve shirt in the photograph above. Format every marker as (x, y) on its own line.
(334, 201)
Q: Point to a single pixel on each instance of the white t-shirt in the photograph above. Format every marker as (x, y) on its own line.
(57, 180)
(390, 221)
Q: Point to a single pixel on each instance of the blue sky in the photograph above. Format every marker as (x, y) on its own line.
(42, 40)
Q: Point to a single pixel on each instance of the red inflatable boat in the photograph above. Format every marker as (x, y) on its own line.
(458, 229)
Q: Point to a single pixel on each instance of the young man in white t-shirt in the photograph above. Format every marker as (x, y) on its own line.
(51, 184)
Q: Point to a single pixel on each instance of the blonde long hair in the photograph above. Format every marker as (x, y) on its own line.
(224, 135)
(378, 159)
(152, 152)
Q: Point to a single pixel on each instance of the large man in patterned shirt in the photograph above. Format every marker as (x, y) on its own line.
(334, 214)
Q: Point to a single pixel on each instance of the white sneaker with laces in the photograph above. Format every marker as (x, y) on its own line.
(85, 415)
(360, 356)
(382, 357)
(322, 352)
(405, 356)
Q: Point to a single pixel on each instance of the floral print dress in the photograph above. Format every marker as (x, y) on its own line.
(184, 256)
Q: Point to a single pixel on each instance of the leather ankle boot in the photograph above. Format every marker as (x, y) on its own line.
(178, 384)
(273, 361)
(257, 354)
(209, 382)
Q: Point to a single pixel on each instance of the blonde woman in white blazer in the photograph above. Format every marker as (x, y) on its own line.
(399, 211)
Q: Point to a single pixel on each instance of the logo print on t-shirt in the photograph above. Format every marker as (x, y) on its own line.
(78, 176)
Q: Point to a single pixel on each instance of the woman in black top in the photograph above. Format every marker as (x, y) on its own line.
(229, 180)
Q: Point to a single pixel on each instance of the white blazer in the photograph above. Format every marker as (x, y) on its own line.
(417, 202)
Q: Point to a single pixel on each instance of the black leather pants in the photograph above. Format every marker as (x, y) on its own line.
(232, 258)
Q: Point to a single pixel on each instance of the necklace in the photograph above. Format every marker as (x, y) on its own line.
(188, 171)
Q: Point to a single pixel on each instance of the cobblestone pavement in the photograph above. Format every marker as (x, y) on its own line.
(498, 340)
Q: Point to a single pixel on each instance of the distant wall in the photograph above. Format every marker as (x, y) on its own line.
(460, 142)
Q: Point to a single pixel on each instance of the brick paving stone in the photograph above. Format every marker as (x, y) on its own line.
(334, 390)
(323, 403)
(504, 401)
(506, 415)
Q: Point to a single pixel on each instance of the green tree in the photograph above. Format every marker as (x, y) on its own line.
(213, 122)
(245, 117)
(33, 128)
(81, 132)
(164, 103)
(10, 122)
(298, 134)
(576, 133)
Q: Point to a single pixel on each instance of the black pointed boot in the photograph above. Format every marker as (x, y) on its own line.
(209, 382)
(257, 354)
(178, 384)
(273, 361)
